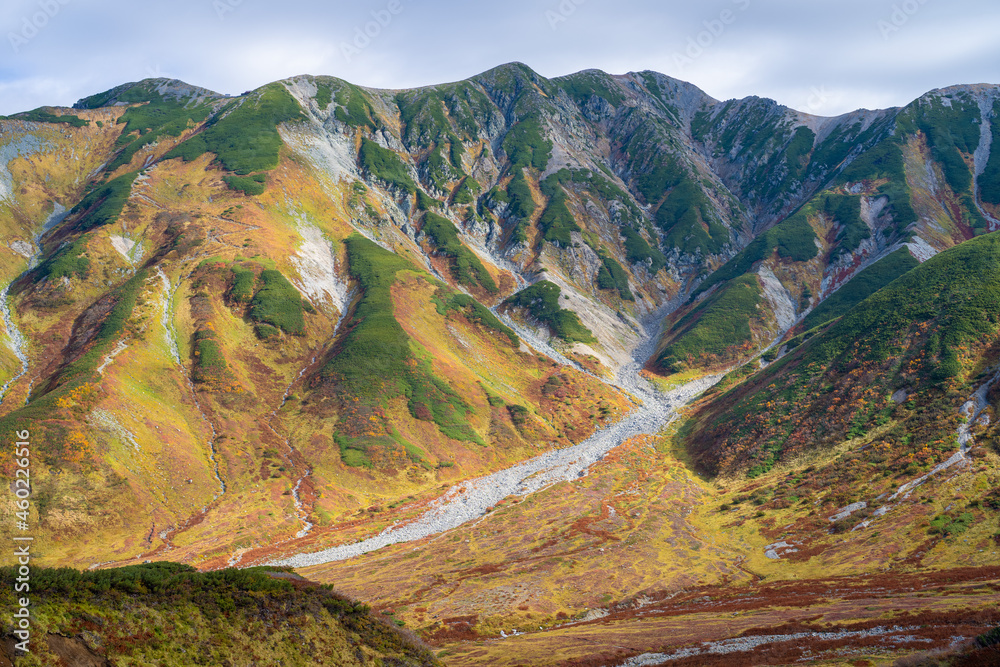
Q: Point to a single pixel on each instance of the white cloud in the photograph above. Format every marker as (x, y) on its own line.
(777, 48)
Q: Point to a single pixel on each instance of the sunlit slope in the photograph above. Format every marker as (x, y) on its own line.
(175, 615)
(908, 180)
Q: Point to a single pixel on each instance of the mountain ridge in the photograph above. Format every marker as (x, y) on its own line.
(246, 328)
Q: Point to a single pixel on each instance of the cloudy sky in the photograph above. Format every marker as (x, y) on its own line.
(822, 56)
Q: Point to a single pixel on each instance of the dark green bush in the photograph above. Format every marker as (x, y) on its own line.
(324, 95)
(253, 185)
(522, 205)
(989, 180)
(384, 164)
(147, 123)
(466, 266)
(526, 145)
(845, 210)
(683, 217)
(541, 300)
(474, 312)
(374, 361)
(716, 325)
(557, 221)
(104, 203)
(209, 361)
(278, 303)
(612, 276)
(244, 135)
(637, 250)
(41, 115)
(68, 261)
(244, 285)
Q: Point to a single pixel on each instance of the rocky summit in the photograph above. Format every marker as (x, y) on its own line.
(590, 370)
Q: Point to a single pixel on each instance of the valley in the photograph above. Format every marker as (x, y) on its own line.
(585, 370)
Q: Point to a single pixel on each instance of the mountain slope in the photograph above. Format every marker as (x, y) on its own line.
(285, 319)
(881, 180)
(170, 614)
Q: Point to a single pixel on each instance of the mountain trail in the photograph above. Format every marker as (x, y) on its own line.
(109, 358)
(972, 410)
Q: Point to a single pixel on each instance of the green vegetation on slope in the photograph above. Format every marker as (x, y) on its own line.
(278, 303)
(353, 108)
(103, 204)
(324, 94)
(845, 210)
(41, 115)
(147, 123)
(921, 331)
(526, 145)
(385, 165)
(655, 171)
(170, 614)
(793, 238)
(713, 329)
(541, 300)
(466, 191)
(581, 87)
(958, 290)
(67, 261)
(244, 135)
(209, 362)
(556, 221)
(683, 217)
(41, 410)
(612, 276)
(522, 205)
(885, 161)
(440, 171)
(951, 130)
(425, 202)
(374, 362)
(797, 152)
(243, 286)
(473, 311)
(638, 251)
(466, 267)
(250, 185)
(423, 118)
(860, 287)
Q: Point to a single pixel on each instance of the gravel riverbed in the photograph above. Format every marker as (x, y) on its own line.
(470, 499)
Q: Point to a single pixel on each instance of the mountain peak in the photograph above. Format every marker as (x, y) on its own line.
(148, 90)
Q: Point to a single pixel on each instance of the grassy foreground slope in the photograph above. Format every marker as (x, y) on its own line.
(170, 614)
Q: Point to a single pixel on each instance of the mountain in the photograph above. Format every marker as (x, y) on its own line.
(245, 328)
(175, 615)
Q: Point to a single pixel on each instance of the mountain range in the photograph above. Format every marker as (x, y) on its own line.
(588, 356)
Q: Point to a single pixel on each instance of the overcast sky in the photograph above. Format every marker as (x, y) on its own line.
(822, 56)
